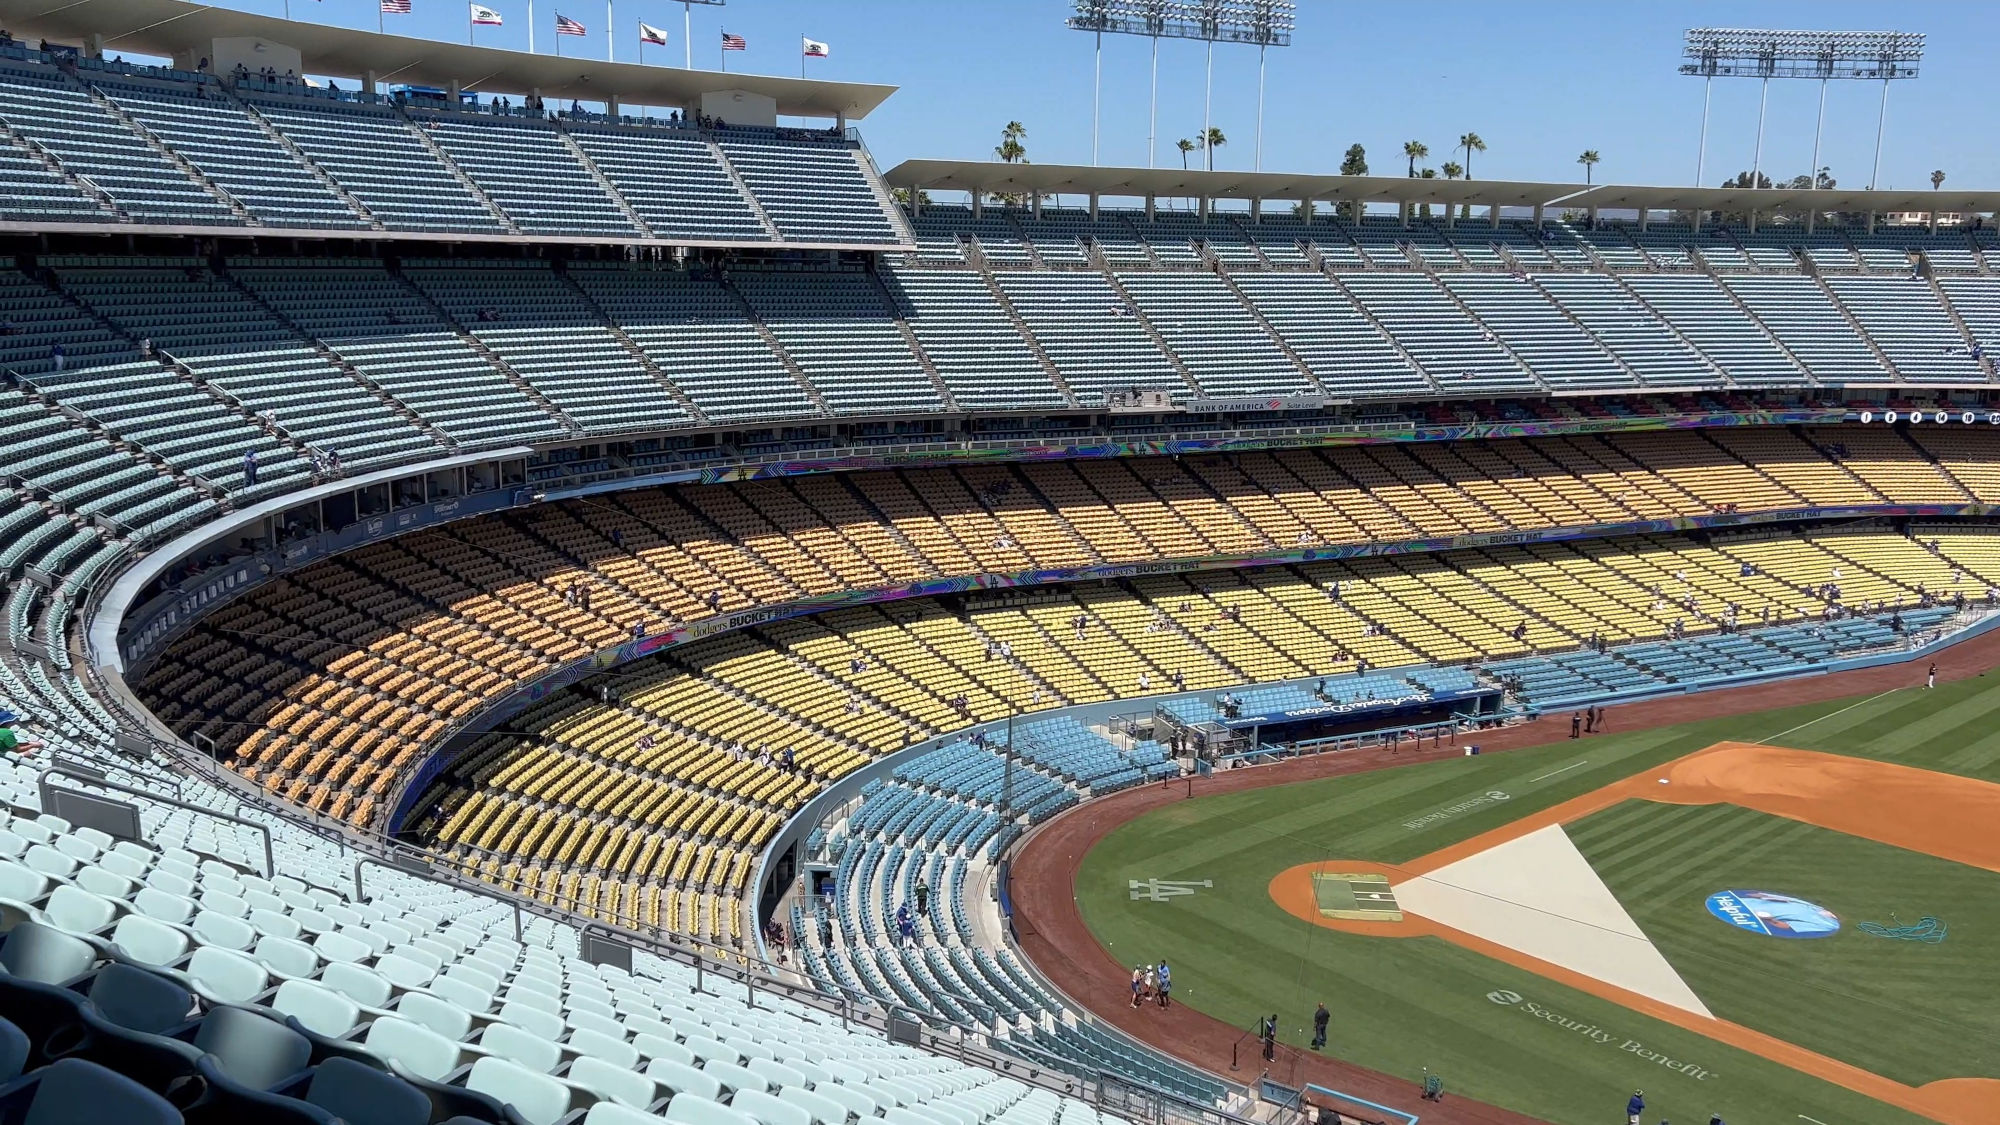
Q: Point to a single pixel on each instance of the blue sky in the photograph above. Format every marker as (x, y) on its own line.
(1540, 84)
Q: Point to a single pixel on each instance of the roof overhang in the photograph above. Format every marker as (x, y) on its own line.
(1138, 183)
(176, 29)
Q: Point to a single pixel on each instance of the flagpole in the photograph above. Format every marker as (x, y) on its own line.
(468, 25)
(802, 54)
(724, 52)
(610, 43)
(687, 32)
(531, 26)
(378, 19)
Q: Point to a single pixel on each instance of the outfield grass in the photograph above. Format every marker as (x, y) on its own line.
(1404, 1004)
(1912, 1012)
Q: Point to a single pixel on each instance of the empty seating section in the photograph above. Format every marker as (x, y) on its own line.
(1515, 310)
(834, 324)
(977, 351)
(128, 396)
(229, 148)
(548, 332)
(1906, 321)
(1699, 308)
(376, 155)
(1216, 338)
(1058, 235)
(1977, 302)
(941, 231)
(1805, 320)
(1635, 333)
(695, 331)
(31, 192)
(388, 332)
(1346, 353)
(812, 192)
(1085, 329)
(54, 112)
(1460, 355)
(673, 181)
(523, 166)
(227, 338)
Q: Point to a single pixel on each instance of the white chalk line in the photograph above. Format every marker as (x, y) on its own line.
(1814, 1120)
(1828, 715)
(1565, 769)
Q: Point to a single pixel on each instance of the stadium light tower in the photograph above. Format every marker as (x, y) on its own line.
(1266, 23)
(1726, 52)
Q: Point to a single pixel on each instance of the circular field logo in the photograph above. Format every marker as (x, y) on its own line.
(1504, 996)
(1773, 915)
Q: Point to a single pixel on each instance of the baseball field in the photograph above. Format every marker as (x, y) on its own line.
(1787, 916)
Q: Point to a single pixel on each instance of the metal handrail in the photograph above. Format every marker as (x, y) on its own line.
(270, 862)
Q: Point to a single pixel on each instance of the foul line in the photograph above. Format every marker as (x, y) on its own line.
(1814, 1120)
(1565, 769)
(1844, 710)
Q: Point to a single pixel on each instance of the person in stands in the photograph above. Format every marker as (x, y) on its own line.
(12, 742)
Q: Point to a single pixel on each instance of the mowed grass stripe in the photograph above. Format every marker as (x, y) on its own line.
(1908, 1011)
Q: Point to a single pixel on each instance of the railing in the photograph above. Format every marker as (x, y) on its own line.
(42, 783)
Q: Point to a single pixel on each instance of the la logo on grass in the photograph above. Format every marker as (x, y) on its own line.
(1160, 890)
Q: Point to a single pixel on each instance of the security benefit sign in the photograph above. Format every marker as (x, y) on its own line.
(1597, 1037)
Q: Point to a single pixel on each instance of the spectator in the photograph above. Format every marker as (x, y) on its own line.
(249, 466)
(1576, 724)
(1138, 983)
(1267, 1033)
(1634, 1106)
(1166, 985)
(57, 357)
(12, 743)
(1320, 1018)
(923, 898)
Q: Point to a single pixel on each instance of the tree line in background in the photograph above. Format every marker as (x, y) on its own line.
(1013, 149)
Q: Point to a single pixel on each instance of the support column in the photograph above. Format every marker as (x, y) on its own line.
(1645, 217)
(1753, 222)
(451, 94)
(1256, 210)
(1035, 204)
(978, 204)
(1493, 216)
(611, 105)
(1093, 206)
(1812, 218)
(1539, 211)
(1149, 208)
(1593, 217)
(1306, 208)
(1871, 222)
(1204, 208)
(368, 82)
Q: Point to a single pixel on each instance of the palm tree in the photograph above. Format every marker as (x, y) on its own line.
(1010, 148)
(1186, 146)
(1211, 141)
(1453, 169)
(1589, 160)
(1415, 150)
(1937, 179)
(1471, 143)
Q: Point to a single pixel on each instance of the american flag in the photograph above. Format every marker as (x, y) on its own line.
(400, 7)
(734, 42)
(568, 26)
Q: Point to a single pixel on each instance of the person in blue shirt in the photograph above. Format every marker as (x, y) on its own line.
(1635, 1106)
(1166, 984)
